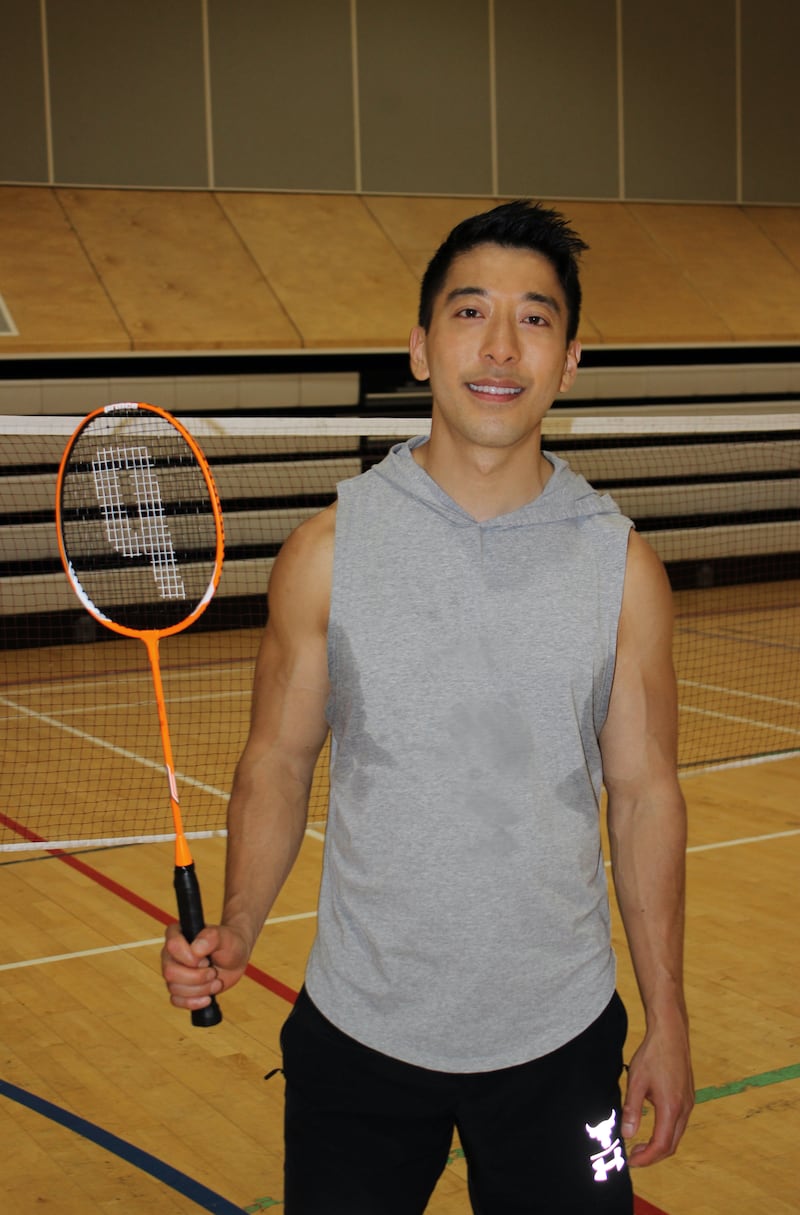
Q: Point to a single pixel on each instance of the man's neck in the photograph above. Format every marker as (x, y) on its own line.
(486, 482)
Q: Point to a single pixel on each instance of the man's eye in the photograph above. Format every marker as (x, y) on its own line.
(536, 320)
(468, 312)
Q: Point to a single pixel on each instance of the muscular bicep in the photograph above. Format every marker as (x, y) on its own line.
(639, 738)
(290, 688)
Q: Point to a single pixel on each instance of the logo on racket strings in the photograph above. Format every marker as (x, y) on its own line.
(116, 470)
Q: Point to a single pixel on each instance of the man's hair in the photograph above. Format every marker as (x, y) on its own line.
(516, 225)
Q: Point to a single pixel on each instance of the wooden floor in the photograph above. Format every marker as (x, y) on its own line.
(87, 1028)
(109, 1100)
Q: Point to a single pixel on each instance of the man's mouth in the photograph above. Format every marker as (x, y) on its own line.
(495, 390)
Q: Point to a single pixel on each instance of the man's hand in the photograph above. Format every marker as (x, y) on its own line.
(212, 963)
(661, 1074)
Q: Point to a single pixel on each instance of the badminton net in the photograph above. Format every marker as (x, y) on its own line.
(718, 497)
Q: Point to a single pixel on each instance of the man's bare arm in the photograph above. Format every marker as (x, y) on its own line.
(269, 800)
(647, 828)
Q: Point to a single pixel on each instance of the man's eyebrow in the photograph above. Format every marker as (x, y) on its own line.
(457, 292)
(538, 297)
(530, 297)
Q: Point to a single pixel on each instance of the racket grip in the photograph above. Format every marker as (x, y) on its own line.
(190, 914)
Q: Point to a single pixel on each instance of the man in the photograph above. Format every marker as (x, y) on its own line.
(489, 641)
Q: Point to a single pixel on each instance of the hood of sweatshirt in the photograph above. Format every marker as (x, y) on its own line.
(567, 495)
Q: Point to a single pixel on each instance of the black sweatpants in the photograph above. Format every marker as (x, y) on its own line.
(370, 1135)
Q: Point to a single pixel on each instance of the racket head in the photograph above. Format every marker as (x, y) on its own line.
(139, 520)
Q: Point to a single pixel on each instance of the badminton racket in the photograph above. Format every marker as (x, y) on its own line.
(141, 539)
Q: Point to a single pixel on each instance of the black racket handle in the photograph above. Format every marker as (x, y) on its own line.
(190, 914)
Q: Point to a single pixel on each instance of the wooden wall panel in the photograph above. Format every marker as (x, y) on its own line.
(747, 282)
(589, 99)
(127, 93)
(282, 120)
(57, 299)
(178, 270)
(771, 101)
(177, 273)
(679, 80)
(23, 139)
(424, 97)
(557, 99)
(330, 265)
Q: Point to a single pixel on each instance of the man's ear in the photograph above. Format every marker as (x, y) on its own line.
(571, 361)
(417, 353)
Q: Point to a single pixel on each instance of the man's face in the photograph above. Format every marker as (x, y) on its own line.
(496, 350)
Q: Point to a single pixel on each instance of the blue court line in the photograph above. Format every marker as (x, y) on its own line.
(191, 1189)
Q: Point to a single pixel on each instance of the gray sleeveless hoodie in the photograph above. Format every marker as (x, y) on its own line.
(463, 917)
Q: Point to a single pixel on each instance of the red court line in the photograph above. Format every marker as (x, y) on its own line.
(141, 904)
(640, 1205)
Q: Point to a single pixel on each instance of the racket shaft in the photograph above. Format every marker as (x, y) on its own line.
(190, 914)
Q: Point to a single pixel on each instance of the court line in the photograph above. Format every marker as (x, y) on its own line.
(211, 1201)
(126, 705)
(181, 777)
(742, 721)
(713, 687)
(311, 915)
(114, 677)
(130, 944)
(276, 986)
(748, 761)
(745, 839)
(200, 1194)
(162, 1172)
(643, 1208)
(741, 636)
(151, 941)
(211, 789)
(762, 1080)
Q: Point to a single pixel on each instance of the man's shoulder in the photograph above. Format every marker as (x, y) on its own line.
(313, 537)
(304, 565)
(319, 527)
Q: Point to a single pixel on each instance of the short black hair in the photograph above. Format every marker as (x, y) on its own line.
(521, 224)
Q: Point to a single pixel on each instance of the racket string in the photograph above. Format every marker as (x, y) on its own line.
(154, 538)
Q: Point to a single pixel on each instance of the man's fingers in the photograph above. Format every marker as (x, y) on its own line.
(669, 1127)
(196, 953)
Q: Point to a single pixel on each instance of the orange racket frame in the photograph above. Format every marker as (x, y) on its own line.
(185, 880)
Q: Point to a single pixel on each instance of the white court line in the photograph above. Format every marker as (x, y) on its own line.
(750, 762)
(182, 778)
(125, 705)
(320, 835)
(711, 687)
(309, 915)
(141, 676)
(126, 841)
(742, 721)
(93, 953)
(201, 696)
(130, 678)
(746, 839)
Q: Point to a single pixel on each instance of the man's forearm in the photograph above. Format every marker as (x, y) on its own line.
(265, 832)
(648, 855)
(648, 849)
